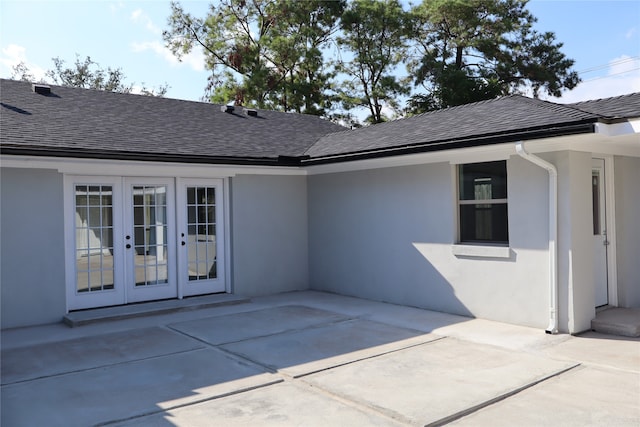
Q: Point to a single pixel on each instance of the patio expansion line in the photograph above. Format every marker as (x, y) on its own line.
(504, 396)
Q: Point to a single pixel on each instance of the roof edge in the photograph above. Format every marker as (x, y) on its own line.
(571, 129)
(280, 161)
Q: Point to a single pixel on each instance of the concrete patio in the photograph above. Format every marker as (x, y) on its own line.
(315, 359)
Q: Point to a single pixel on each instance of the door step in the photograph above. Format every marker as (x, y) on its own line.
(618, 321)
(106, 314)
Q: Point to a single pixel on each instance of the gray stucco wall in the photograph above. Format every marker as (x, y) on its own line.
(627, 196)
(268, 234)
(576, 293)
(32, 275)
(387, 234)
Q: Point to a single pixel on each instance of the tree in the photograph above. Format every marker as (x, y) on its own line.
(89, 75)
(374, 35)
(469, 51)
(301, 33)
(22, 72)
(262, 52)
(86, 74)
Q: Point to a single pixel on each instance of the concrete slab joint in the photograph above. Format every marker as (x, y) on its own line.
(309, 358)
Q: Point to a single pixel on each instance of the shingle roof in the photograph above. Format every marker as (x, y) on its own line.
(618, 107)
(487, 121)
(91, 121)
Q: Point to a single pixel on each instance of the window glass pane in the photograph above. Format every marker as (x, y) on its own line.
(483, 181)
(94, 216)
(107, 215)
(202, 196)
(107, 196)
(201, 242)
(150, 234)
(595, 194)
(81, 195)
(484, 223)
(213, 270)
(161, 197)
(82, 281)
(82, 216)
(107, 270)
(191, 214)
(94, 238)
(211, 196)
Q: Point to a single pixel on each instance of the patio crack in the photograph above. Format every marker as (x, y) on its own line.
(103, 366)
(468, 411)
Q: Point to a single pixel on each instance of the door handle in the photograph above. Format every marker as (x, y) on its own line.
(128, 246)
(606, 242)
(183, 243)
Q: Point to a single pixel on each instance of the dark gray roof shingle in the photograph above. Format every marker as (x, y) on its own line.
(618, 107)
(90, 123)
(501, 116)
(97, 121)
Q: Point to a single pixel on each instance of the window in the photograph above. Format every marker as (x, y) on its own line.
(482, 202)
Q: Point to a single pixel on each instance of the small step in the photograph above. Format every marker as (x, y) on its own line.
(120, 312)
(618, 321)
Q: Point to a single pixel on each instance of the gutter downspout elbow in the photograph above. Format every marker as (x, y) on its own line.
(553, 233)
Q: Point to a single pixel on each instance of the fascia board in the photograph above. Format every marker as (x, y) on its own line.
(593, 143)
(75, 166)
(629, 127)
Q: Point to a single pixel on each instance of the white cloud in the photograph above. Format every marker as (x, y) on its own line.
(622, 77)
(195, 59)
(631, 33)
(623, 64)
(12, 55)
(139, 17)
(116, 6)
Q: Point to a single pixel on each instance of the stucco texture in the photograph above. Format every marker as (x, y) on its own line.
(627, 196)
(387, 234)
(31, 247)
(268, 234)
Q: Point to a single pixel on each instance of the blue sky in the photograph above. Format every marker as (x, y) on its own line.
(602, 36)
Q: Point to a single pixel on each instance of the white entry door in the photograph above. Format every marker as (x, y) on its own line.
(94, 243)
(201, 235)
(600, 242)
(142, 239)
(150, 245)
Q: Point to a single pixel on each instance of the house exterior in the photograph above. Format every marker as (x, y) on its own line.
(516, 210)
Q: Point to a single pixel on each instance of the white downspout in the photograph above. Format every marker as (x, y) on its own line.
(553, 233)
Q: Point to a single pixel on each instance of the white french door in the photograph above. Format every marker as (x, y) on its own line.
(94, 242)
(201, 236)
(150, 242)
(142, 239)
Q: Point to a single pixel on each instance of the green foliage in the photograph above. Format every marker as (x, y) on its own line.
(266, 53)
(89, 75)
(466, 51)
(22, 72)
(86, 74)
(375, 34)
(273, 53)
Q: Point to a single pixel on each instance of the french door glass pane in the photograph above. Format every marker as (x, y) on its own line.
(201, 230)
(94, 238)
(150, 234)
